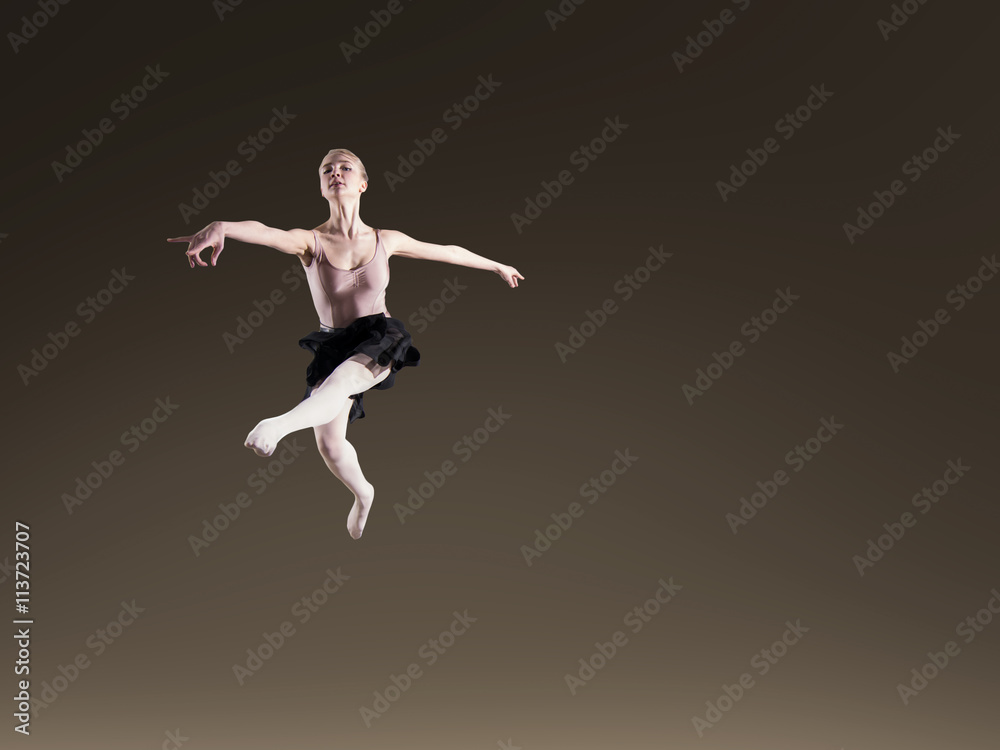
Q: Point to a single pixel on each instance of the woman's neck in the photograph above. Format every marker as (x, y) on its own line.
(345, 219)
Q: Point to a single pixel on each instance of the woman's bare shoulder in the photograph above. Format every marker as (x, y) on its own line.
(392, 240)
(308, 238)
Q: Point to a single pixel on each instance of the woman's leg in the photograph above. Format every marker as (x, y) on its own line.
(354, 375)
(342, 459)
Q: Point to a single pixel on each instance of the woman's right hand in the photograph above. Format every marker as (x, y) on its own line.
(213, 236)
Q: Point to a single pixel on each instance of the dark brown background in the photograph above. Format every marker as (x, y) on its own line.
(495, 346)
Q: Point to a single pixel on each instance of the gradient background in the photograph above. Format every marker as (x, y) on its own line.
(502, 684)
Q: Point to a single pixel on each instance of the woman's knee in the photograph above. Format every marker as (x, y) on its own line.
(334, 448)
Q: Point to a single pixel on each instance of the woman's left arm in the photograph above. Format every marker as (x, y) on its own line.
(398, 243)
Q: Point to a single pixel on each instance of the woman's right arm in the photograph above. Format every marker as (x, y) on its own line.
(293, 241)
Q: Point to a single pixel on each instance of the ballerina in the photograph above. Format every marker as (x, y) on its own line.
(359, 345)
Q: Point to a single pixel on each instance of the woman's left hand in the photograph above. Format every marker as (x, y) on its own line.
(509, 274)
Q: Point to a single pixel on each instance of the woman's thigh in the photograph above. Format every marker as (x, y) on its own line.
(380, 372)
(357, 374)
(336, 428)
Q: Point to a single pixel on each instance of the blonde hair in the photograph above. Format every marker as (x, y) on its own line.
(350, 155)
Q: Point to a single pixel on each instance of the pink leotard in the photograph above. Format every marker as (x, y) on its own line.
(342, 296)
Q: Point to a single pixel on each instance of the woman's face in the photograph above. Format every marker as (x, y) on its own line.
(340, 176)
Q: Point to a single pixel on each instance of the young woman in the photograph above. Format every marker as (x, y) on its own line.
(359, 344)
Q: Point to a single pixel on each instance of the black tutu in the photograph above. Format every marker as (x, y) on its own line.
(384, 339)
